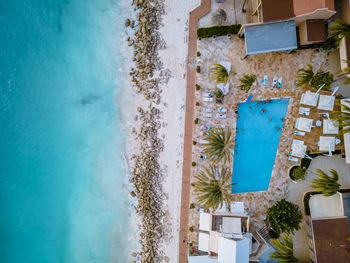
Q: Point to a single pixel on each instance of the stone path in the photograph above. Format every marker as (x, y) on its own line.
(195, 15)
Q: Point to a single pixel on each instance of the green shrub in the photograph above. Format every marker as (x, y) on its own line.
(192, 206)
(273, 233)
(197, 103)
(196, 121)
(194, 142)
(191, 228)
(194, 164)
(284, 217)
(219, 94)
(198, 69)
(198, 87)
(205, 32)
(198, 54)
(298, 173)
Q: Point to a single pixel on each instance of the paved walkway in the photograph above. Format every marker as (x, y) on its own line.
(195, 15)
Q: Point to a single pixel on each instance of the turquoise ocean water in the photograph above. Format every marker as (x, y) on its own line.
(63, 194)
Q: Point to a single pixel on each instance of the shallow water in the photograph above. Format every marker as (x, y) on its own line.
(63, 193)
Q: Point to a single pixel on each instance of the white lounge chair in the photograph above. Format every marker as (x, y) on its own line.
(207, 99)
(203, 141)
(279, 84)
(304, 111)
(303, 124)
(274, 82)
(221, 115)
(293, 159)
(222, 110)
(301, 133)
(222, 126)
(207, 94)
(207, 115)
(266, 80)
(207, 110)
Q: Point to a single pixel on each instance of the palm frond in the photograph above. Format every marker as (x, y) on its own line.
(220, 146)
(284, 250)
(247, 82)
(219, 73)
(342, 117)
(305, 76)
(326, 184)
(339, 30)
(213, 187)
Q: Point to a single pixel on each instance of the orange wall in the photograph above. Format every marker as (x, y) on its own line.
(302, 7)
(345, 10)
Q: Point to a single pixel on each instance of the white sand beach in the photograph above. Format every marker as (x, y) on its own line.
(174, 57)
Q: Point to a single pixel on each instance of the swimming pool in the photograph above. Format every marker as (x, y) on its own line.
(259, 129)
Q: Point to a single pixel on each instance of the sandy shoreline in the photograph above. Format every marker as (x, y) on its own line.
(175, 33)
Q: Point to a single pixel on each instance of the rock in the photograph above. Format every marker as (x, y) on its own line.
(127, 22)
(133, 194)
(134, 254)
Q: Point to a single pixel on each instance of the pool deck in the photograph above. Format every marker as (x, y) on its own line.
(272, 64)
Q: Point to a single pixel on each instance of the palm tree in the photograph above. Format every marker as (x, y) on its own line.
(339, 30)
(284, 250)
(342, 118)
(220, 146)
(213, 187)
(305, 76)
(219, 94)
(247, 81)
(326, 184)
(220, 73)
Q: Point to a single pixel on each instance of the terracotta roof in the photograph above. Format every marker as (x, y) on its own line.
(273, 10)
(302, 7)
(330, 237)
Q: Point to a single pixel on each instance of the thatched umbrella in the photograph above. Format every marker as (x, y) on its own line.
(219, 17)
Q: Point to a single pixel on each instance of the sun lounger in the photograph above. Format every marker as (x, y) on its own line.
(222, 110)
(304, 111)
(279, 84)
(207, 110)
(293, 159)
(207, 115)
(301, 133)
(207, 94)
(221, 115)
(274, 82)
(207, 99)
(203, 142)
(266, 80)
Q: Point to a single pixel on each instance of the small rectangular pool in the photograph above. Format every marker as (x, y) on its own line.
(259, 128)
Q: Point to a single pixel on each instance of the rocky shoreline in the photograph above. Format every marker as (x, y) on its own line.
(147, 176)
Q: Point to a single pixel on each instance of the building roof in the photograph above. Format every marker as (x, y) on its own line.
(273, 10)
(302, 7)
(326, 206)
(233, 251)
(330, 240)
(270, 37)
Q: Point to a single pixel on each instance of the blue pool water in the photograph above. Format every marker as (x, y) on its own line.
(257, 139)
(63, 194)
